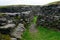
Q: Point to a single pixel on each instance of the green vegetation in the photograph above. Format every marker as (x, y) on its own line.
(34, 19)
(42, 34)
(48, 34)
(4, 37)
(2, 14)
(26, 35)
(54, 3)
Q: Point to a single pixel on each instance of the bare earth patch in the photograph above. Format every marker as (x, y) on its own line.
(33, 29)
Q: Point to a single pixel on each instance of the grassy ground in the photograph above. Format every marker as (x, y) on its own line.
(4, 37)
(48, 34)
(42, 34)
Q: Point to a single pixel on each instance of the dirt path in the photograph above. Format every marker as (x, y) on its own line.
(34, 33)
(32, 28)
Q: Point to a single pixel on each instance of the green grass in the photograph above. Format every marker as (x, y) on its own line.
(48, 34)
(34, 19)
(42, 34)
(26, 35)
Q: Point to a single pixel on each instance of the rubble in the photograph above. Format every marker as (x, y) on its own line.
(13, 39)
(50, 17)
(18, 31)
(7, 26)
(3, 21)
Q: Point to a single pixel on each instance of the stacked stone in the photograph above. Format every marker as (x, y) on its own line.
(50, 16)
(18, 31)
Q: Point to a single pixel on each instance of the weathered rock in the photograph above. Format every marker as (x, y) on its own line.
(18, 31)
(50, 17)
(13, 38)
(3, 21)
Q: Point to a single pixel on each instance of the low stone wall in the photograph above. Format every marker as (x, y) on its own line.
(18, 31)
(49, 21)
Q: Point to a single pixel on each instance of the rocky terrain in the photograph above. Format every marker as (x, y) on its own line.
(14, 20)
(14, 24)
(50, 16)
